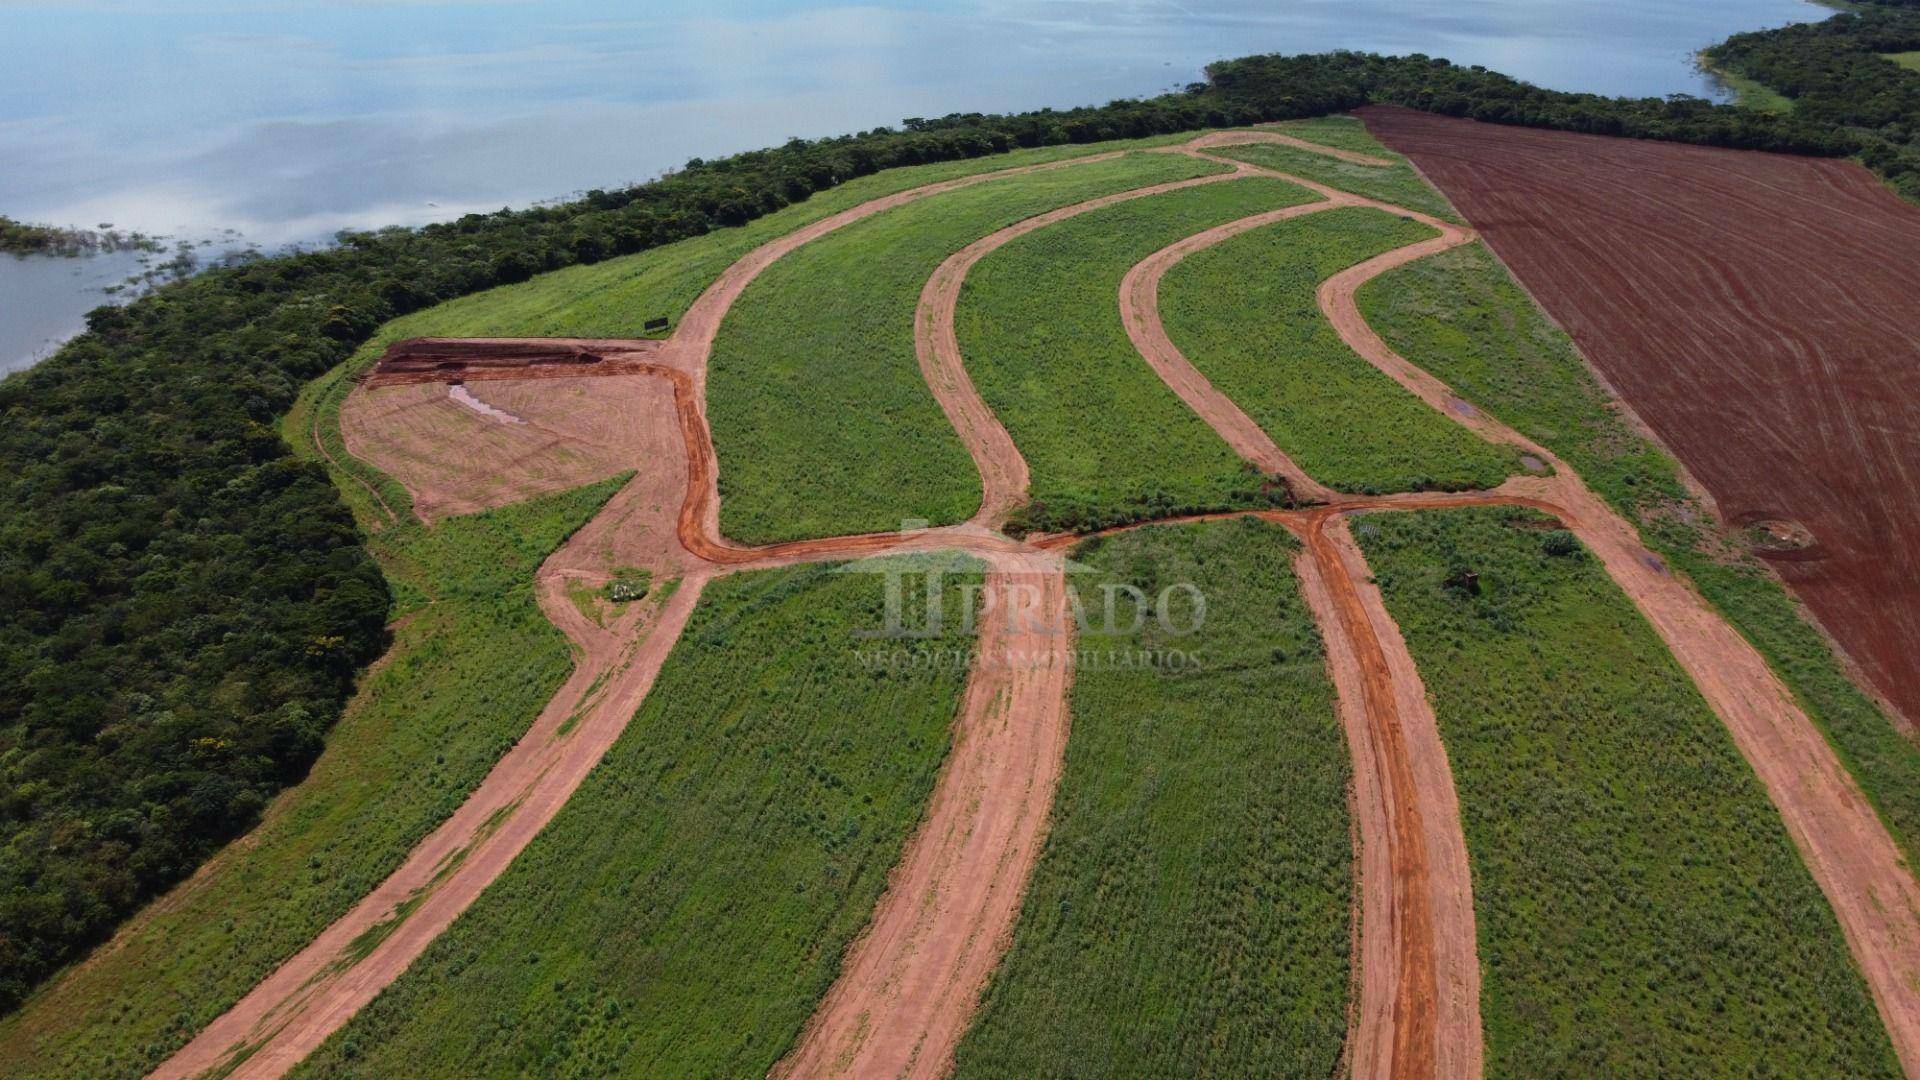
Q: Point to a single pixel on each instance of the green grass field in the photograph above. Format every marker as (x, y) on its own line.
(1039, 326)
(1342, 131)
(823, 423)
(1399, 185)
(1244, 313)
(469, 669)
(1460, 316)
(688, 907)
(616, 298)
(1190, 912)
(1908, 60)
(1641, 909)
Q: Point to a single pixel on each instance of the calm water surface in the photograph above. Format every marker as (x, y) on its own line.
(290, 120)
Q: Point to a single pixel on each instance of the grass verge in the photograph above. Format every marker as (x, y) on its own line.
(822, 421)
(689, 906)
(1641, 908)
(1189, 915)
(1039, 326)
(1244, 312)
(1462, 317)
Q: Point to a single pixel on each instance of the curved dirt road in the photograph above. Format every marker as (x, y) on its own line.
(1419, 974)
(307, 998)
(1140, 312)
(908, 988)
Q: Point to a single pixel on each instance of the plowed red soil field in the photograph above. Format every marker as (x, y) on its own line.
(1760, 312)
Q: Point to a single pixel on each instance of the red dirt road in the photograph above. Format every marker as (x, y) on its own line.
(1784, 379)
(310, 996)
(1419, 974)
(908, 988)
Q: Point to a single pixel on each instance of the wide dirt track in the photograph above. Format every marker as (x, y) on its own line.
(1759, 312)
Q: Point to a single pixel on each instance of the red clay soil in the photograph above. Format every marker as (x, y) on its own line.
(1844, 843)
(908, 988)
(1757, 310)
(1140, 312)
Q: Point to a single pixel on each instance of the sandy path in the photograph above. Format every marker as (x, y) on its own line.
(909, 986)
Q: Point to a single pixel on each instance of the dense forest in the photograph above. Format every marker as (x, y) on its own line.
(183, 606)
(1838, 77)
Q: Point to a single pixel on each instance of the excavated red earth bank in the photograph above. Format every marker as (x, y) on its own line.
(1759, 311)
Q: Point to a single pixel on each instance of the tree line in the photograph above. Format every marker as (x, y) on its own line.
(184, 605)
(1838, 77)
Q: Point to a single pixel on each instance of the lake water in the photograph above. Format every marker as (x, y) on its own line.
(291, 119)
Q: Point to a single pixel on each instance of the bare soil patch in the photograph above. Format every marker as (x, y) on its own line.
(455, 459)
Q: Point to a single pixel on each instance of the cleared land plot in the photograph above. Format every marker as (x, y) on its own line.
(616, 298)
(1757, 310)
(1908, 60)
(1469, 323)
(1190, 912)
(1399, 185)
(1244, 312)
(822, 421)
(1641, 909)
(467, 673)
(1039, 328)
(687, 908)
(552, 435)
